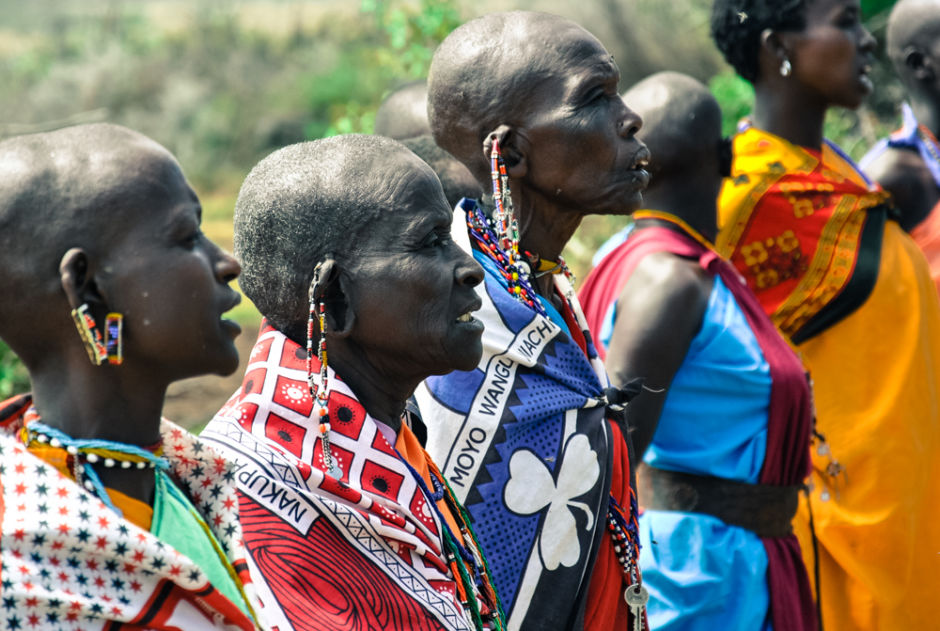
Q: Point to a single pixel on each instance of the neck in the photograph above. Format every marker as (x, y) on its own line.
(545, 227)
(382, 396)
(790, 115)
(692, 204)
(112, 403)
(107, 402)
(927, 114)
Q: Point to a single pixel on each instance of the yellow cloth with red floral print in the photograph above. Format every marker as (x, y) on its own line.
(791, 220)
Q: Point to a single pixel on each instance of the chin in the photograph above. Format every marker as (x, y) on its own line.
(466, 358)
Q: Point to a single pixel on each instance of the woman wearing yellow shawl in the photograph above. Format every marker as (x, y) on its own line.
(816, 243)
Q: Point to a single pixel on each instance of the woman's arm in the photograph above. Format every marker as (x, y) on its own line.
(659, 313)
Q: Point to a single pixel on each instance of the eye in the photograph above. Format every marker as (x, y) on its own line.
(435, 239)
(192, 238)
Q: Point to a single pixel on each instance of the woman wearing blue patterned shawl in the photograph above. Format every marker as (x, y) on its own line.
(529, 102)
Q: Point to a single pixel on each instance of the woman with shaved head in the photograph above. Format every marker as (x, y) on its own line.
(724, 429)
(850, 289)
(111, 517)
(346, 249)
(907, 163)
(528, 439)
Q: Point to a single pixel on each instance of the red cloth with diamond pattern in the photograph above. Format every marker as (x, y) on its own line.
(362, 552)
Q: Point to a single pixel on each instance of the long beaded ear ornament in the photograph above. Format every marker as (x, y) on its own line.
(91, 336)
(498, 237)
(320, 391)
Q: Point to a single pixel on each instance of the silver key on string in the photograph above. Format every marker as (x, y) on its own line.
(636, 597)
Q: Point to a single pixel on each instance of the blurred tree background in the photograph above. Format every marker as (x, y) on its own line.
(221, 83)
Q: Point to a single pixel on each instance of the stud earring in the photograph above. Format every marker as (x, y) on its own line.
(114, 338)
(91, 336)
(786, 68)
(320, 391)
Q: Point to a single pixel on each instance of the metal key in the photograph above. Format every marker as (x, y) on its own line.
(636, 597)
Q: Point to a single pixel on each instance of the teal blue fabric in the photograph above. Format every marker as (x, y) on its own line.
(175, 522)
(701, 573)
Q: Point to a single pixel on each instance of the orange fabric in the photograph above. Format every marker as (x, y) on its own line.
(137, 512)
(927, 236)
(414, 454)
(606, 609)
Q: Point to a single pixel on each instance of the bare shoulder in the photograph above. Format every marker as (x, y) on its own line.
(668, 280)
(902, 173)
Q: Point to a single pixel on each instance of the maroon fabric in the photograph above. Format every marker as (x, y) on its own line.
(787, 459)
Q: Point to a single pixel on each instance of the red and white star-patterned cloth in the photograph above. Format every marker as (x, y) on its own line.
(70, 562)
(362, 552)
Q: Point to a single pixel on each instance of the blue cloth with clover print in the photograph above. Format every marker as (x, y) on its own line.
(524, 441)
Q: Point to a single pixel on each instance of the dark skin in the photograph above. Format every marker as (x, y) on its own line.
(914, 36)
(394, 308)
(661, 306)
(169, 333)
(575, 152)
(830, 60)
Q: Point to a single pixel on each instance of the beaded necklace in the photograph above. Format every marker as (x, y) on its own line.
(513, 269)
(466, 561)
(84, 453)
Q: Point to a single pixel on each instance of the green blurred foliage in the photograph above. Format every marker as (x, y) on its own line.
(13, 377)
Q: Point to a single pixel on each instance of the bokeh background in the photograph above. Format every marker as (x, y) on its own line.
(222, 83)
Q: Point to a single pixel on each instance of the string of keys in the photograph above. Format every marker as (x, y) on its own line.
(637, 597)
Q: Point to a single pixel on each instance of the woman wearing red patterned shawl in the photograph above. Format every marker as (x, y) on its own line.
(526, 435)
(111, 516)
(346, 250)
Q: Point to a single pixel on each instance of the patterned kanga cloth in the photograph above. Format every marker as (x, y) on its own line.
(362, 552)
(70, 562)
(526, 444)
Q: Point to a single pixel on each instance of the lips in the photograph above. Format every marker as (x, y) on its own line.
(467, 311)
(233, 328)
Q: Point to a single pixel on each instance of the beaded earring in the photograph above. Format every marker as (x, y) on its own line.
(507, 228)
(320, 391)
(114, 338)
(786, 68)
(91, 336)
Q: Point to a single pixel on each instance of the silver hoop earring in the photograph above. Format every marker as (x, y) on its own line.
(786, 68)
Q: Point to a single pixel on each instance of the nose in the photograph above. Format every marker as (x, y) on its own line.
(226, 267)
(467, 272)
(867, 42)
(630, 122)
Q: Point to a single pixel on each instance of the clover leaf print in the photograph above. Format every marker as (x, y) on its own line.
(531, 487)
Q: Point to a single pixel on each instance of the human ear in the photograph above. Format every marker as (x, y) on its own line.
(775, 45)
(76, 275)
(329, 286)
(511, 146)
(918, 64)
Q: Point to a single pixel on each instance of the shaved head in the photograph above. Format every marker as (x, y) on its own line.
(404, 113)
(912, 23)
(77, 187)
(681, 125)
(310, 200)
(914, 48)
(485, 73)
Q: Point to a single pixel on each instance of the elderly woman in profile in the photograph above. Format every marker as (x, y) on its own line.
(530, 101)
(111, 516)
(346, 251)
